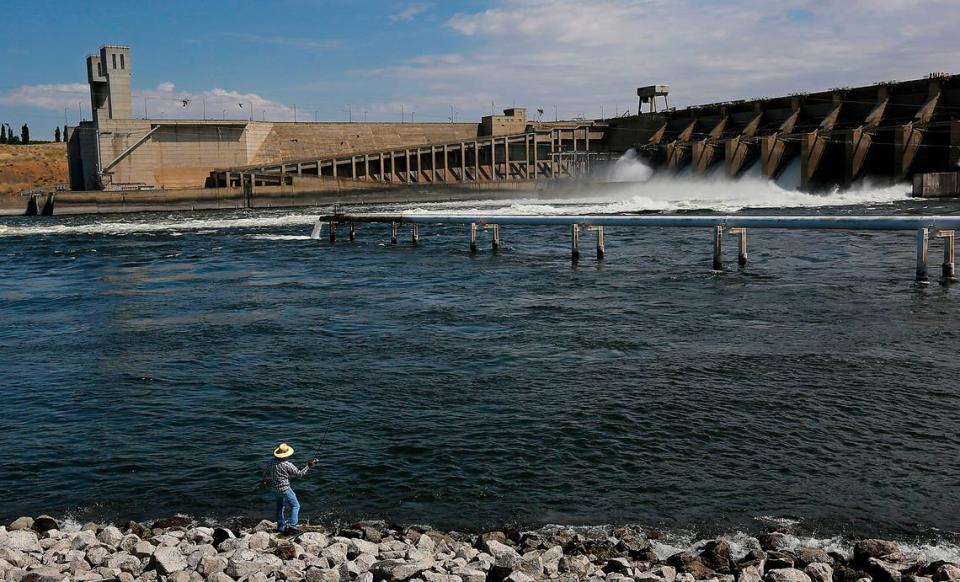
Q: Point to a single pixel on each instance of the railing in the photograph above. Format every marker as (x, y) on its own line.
(940, 226)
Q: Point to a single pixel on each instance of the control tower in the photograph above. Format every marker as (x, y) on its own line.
(109, 76)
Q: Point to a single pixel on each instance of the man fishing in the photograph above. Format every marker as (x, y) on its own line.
(277, 475)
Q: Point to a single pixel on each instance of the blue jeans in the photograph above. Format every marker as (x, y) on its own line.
(288, 497)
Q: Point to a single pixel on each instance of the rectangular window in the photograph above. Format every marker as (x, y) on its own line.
(99, 69)
(122, 64)
(114, 55)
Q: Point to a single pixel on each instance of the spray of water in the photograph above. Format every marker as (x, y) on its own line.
(632, 186)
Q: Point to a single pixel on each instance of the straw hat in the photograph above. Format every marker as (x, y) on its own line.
(283, 451)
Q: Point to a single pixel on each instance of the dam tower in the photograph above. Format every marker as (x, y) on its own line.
(108, 74)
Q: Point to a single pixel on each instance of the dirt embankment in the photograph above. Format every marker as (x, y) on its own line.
(32, 166)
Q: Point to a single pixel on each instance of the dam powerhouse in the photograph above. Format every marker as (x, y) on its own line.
(891, 131)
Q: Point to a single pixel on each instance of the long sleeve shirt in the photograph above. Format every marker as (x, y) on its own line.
(278, 473)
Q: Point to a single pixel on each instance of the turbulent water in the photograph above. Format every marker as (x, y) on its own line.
(149, 363)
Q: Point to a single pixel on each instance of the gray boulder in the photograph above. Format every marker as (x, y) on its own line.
(97, 555)
(819, 572)
(691, 564)
(44, 574)
(259, 541)
(749, 574)
(503, 555)
(144, 549)
(21, 523)
(716, 556)
(579, 566)
(210, 565)
(468, 574)
(167, 560)
(84, 539)
(129, 543)
(946, 573)
(110, 536)
(22, 540)
(786, 575)
(873, 548)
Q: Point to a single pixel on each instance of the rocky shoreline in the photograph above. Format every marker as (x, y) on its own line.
(180, 550)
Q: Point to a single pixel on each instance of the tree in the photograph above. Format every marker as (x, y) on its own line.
(24, 134)
(56, 134)
(3, 133)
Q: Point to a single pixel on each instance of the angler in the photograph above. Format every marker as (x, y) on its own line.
(277, 475)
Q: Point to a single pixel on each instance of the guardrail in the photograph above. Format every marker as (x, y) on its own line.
(939, 226)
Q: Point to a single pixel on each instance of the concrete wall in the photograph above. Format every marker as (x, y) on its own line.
(181, 154)
(293, 141)
(513, 120)
(177, 155)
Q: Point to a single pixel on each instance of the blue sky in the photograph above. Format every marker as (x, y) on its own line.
(441, 59)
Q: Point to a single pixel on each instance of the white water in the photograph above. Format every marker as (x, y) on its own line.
(671, 542)
(168, 225)
(630, 186)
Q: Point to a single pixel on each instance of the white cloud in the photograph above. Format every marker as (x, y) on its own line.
(586, 54)
(50, 96)
(164, 100)
(409, 13)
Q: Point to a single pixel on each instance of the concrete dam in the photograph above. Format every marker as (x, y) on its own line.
(889, 132)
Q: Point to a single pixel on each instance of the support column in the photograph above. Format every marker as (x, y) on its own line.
(923, 248)
(433, 164)
(496, 237)
(741, 245)
(476, 161)
(526, 156)
(536, 169)
(383, 170)
(493, 160)
(333, 231)
(406, 174)
(414, 234)
(446, 163)
(333, 165)
(601, 244)
(575, 242)
(393, 232)
(718, 248)
(506, 158)
(774, 149)
(393, 167)
(366, 167)
(353, 232)
(949, 269)
(473, 238)
(463, 161)
(908, 137)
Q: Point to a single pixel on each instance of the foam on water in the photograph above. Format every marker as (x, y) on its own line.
(677, 194)
(631, 186)
(280, 237)
(138, 225)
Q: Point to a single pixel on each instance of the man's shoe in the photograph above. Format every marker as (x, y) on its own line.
(293, 531)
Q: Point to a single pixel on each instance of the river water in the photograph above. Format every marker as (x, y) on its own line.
(149, 363)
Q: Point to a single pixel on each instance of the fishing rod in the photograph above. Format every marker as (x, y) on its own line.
(313, 460)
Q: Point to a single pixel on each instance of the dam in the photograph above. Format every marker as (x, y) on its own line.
(891, 132)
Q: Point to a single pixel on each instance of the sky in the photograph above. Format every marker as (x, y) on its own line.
(393, 60)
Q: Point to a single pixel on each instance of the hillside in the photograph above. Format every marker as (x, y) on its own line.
(32, 166)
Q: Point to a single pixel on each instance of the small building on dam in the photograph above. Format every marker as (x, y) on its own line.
(889, 131)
